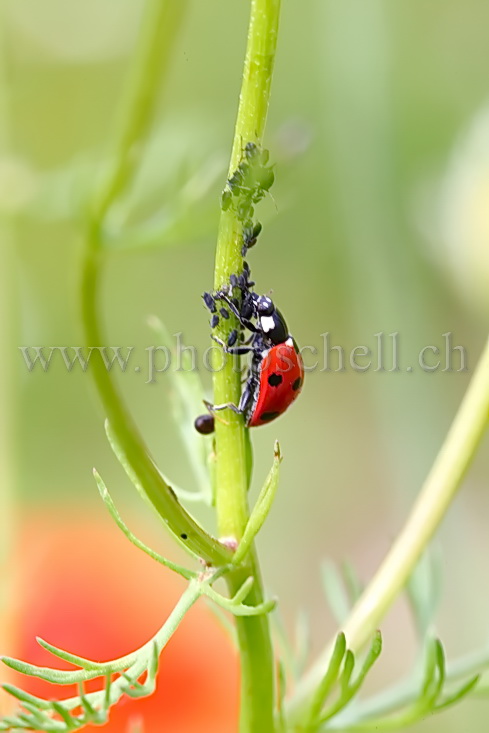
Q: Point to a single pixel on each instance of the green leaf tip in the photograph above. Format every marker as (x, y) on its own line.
(261, 509)
(86, 664)
(107, 499)
(163, 499)
(459, 693)
(328, 680)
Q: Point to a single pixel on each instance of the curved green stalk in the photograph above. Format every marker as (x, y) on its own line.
(438, 492)
(160, 26)
(257, 663)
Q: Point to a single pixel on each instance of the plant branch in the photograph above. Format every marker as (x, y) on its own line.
(160, 26)
(232, 442)
(431, 506)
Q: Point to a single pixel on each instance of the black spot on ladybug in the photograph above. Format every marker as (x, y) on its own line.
(267, 416)
(214, 321)
(224, 313)
(204, 424)
(184, 536)
(275, 379)
(297, 384)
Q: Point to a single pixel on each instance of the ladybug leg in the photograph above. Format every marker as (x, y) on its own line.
(236, 350)
(220, 295)
(247, 395)
(226, 406)
(244, 402)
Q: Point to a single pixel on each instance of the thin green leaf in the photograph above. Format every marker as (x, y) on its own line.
(107, 690)
(439, 677)
(282, 690)
(87, 664)
(458, 694)
(334, 590)
(56, 676)
(407, 692)
(36, 714)
(429, 672)
(353, 584)
(107, 499)
(187, 393)
(348, 691)
(25, 697)
(64, 714)
(329, 679)
(153, 665)
(238, 609)
(261, 508)
(372, 656)
(132, 667)
(121, 457)
(347, 671)
(432, 673)
(432, 684)
(242, 591)
(91, 714)
(135, 689)
(424, 591)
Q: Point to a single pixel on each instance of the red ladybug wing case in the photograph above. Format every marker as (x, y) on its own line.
(281, 378)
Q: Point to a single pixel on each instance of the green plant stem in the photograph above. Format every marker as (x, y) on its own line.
(160, 25)
(232, 481)
(257, 664)
(431, 506)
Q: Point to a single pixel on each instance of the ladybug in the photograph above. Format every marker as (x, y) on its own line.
(276, 373)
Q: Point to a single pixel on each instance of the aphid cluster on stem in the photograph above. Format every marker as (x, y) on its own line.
(276, 371)
(248, 184)
(250, 181)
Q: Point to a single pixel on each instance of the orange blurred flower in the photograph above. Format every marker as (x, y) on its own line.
(86, 589)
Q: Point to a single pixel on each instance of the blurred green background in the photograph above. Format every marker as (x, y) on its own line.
(379, 222)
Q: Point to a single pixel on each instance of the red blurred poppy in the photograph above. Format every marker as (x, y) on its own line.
(85, 588)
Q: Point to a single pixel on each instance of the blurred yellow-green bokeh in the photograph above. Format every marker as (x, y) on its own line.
(379, 222)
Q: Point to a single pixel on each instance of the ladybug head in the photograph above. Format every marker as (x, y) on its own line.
(272, 323)
(264, 306)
